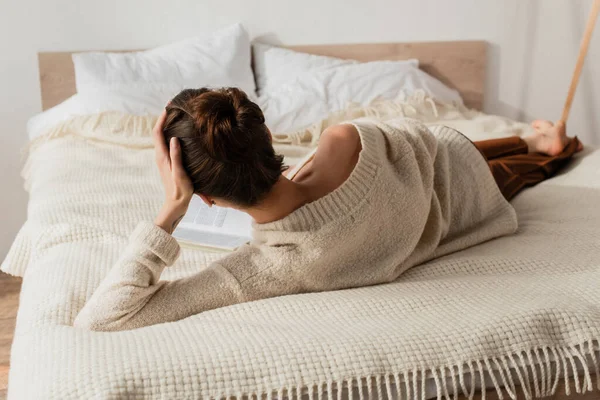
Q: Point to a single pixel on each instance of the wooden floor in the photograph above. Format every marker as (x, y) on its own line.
(560, 395)
(9, 301)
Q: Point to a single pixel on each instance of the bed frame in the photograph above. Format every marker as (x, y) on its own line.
(458, 64)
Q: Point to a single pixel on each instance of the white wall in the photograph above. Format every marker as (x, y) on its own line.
(533, 45)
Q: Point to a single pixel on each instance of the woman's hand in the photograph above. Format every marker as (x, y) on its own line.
(178, 186)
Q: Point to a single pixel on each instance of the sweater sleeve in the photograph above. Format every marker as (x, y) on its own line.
(132, 294)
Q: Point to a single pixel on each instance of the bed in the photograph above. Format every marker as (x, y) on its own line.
(314, 345)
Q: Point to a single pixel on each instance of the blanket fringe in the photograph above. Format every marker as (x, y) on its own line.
(110, 126)
(538, 371)
(135, 130)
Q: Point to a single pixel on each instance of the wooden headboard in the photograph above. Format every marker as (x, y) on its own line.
(460, 65)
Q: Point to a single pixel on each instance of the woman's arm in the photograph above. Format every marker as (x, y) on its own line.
(132, 294)
(132, 281)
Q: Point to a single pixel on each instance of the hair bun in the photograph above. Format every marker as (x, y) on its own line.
(226, 121)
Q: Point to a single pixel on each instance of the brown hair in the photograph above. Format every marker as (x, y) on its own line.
(226, 146)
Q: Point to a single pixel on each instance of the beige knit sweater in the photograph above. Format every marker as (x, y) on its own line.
(416, 193)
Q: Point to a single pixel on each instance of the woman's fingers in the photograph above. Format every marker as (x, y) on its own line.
(176, 162)
(160, 147)
(183, 188)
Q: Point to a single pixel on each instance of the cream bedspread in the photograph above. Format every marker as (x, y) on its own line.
(530, 298)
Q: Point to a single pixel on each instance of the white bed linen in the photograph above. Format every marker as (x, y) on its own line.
(290, 106)
(313, 96)
(296, 89)
(146, 102)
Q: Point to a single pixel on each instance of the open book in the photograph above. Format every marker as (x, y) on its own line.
(219, 227)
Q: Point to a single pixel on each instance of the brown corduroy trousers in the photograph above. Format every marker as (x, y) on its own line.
(515, 169)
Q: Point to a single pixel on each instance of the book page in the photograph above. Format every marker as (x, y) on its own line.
(214, 226)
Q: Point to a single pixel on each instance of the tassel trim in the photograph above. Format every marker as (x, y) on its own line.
(529, 374)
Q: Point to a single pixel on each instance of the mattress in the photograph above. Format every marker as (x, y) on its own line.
(278, 347)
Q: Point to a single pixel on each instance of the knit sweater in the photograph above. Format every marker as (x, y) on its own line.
(416, 193)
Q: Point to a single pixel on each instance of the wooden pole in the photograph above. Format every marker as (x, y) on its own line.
(587, 36)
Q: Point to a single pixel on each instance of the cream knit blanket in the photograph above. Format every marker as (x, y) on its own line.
(528, 299)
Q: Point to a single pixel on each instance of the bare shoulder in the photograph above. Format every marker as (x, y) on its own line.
(338, 154)
(341, 139)
(342, 131)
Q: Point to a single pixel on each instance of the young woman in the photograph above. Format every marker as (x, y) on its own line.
(373, 200)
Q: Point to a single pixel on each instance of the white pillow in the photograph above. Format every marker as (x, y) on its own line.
(274, 66)
(222, 58)
(313, 95)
